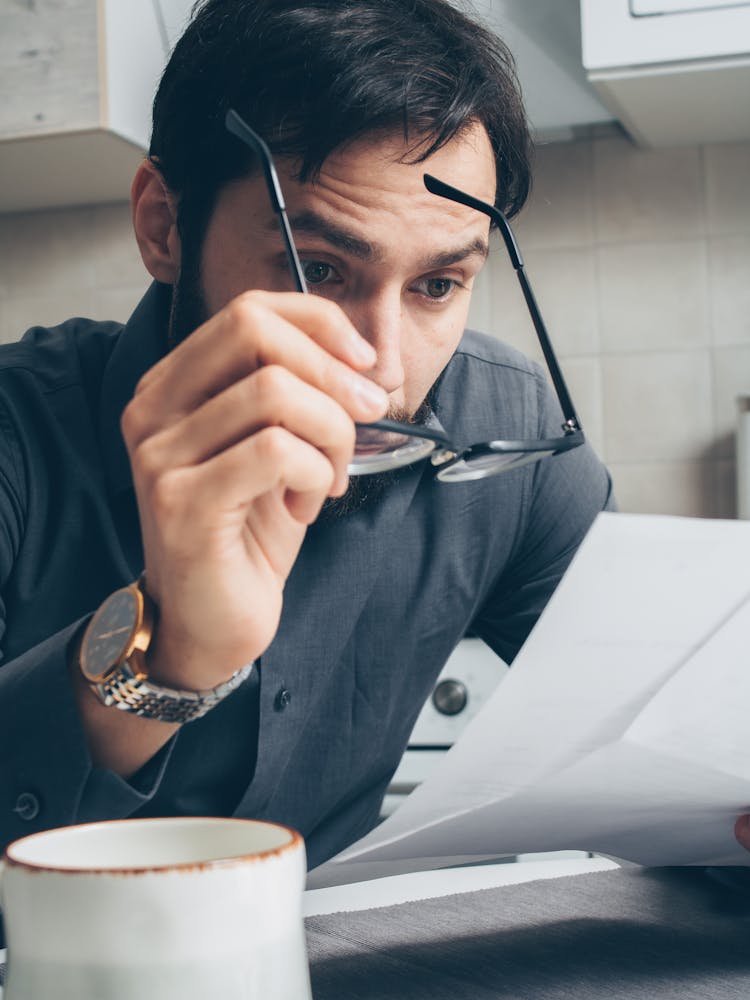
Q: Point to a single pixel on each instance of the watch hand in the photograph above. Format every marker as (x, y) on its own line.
(116, 631)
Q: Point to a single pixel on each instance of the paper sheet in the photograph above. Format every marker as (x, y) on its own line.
(623, 727)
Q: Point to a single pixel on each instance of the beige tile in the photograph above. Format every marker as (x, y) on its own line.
(646, 194)
(564, 283)
(115, 303)
(48, 251)
(728, 187)
(583, 378)
(6, 249)
(480, 310)
(731, 372)
(559, 212)
(118, 262)
(657, 407)
(503, 307)
(42, 310)
(654, 296)
(729, 283)
(725, 488)
(684, 489)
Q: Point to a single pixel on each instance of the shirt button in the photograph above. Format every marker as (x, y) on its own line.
(282, 699)
(27, 806)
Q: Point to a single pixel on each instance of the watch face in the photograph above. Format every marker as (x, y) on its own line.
(107, 640)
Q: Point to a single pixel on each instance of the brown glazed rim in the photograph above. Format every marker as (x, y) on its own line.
(296, 841)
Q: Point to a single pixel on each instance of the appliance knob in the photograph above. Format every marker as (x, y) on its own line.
(450, 697)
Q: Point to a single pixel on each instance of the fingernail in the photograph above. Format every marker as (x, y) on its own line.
(370, 394)
(363, 353)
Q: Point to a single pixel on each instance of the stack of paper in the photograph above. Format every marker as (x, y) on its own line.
(623, 727)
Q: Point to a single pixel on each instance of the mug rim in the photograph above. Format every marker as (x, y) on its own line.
(296, 841)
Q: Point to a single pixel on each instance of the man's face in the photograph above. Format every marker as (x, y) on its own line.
(399, 261)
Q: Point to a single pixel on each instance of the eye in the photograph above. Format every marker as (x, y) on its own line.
(317, 272)
(437, 288)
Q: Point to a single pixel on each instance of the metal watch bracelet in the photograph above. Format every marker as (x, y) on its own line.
(131, 692)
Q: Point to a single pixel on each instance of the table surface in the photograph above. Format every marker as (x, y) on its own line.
(627, 933)
(408, 888)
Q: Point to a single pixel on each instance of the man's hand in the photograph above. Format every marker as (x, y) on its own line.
(235, 439)
(742, 831)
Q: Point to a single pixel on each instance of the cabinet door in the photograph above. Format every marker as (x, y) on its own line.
(646, 8)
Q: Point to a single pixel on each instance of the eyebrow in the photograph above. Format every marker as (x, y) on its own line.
(313, 224)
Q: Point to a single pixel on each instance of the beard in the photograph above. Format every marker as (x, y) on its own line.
(189, 311)
(365, 490)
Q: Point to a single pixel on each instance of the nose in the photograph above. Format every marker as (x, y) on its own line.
(380, 321)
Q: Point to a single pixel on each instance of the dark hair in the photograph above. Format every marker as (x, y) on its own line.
(313, 75)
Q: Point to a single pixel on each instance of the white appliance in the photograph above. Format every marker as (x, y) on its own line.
(672, 71)
(743, 457)
(465, 683)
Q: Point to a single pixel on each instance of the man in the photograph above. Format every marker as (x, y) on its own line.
(289, 625)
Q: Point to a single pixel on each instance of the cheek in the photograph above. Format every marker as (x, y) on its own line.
(429, 346)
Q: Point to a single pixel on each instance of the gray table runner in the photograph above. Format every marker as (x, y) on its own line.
(631, 934)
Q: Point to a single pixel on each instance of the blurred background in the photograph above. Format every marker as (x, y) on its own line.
(636, 236)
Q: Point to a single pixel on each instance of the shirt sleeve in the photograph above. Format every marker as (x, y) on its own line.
(46, 774)
(47, 778)
(568, 492)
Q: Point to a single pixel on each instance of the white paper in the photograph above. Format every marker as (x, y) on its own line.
(623, 727)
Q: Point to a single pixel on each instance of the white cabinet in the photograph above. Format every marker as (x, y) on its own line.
(77, 79)
(672, 71)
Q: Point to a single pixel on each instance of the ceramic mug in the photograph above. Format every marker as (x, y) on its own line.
(156, 909)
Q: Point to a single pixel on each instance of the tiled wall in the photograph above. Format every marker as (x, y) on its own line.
(640, 260)
(68, 262)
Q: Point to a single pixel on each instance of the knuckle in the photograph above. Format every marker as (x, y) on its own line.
(164, 496)
(271, 381)
(245, 311)
(274, 445)
(146, 462)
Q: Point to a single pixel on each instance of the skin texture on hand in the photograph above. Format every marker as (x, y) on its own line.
(235, 439)
(239, 434)
(742, 831)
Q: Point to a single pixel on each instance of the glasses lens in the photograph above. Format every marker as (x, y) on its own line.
(482, 465)
(380, 450)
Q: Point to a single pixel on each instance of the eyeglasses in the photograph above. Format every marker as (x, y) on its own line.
(388, 444)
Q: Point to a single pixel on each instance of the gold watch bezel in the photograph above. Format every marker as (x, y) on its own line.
(133, 648)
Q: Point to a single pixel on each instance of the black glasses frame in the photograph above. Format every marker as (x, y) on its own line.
(445, 455)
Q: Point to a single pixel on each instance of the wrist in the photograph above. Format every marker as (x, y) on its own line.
(114, 660)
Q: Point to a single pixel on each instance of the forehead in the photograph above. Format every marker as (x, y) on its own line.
(376, 181)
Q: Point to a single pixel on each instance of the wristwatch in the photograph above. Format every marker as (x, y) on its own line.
(112, 660)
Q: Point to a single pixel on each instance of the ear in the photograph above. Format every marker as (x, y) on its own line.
(154, 210)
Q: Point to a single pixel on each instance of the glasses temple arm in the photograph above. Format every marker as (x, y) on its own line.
(438, 187)
(572, 423)
(238, 127)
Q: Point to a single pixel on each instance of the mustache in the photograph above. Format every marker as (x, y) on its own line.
(404, 416)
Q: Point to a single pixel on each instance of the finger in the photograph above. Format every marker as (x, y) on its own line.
(270, 396)
(237, 341)
(326, 323)
(320, 320)
(215, 496)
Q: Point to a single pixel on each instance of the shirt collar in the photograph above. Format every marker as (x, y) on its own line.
(142, 342)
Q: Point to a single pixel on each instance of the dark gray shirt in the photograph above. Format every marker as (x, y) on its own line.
(375, 603)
